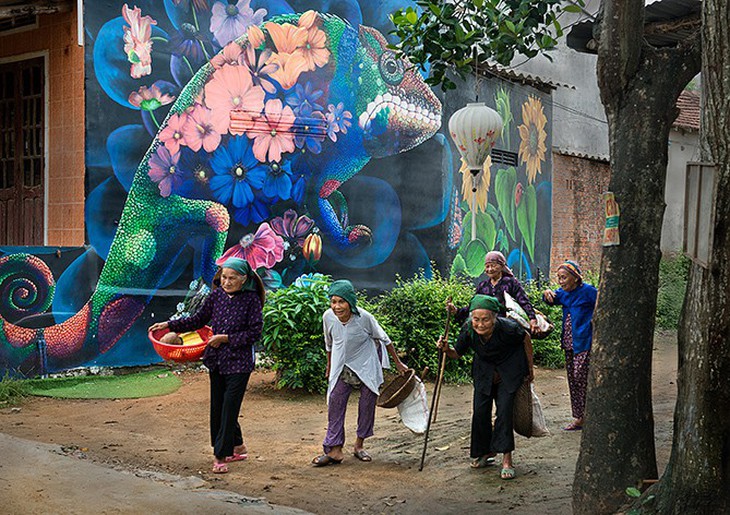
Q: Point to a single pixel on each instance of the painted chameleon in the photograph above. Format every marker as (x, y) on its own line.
(299, 104)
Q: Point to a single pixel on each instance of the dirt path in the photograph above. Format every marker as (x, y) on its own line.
(284, 431)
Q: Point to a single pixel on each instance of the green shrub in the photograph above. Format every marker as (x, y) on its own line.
(12, 391)
(546, 352)
(673, 275)
(413, 315)
(292, 336)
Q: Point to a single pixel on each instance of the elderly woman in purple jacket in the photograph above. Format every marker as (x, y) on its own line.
(234, 313)
(500, 280)
(578, 300)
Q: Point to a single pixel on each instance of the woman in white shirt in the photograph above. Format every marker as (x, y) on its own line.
(355, 360)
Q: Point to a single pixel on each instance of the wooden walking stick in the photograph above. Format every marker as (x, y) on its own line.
(437, 389)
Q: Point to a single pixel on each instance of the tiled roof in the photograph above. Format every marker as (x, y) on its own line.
(689, 111)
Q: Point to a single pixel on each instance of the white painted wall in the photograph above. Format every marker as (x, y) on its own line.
(683, 147)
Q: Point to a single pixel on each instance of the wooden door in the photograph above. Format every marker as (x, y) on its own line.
(22, 152)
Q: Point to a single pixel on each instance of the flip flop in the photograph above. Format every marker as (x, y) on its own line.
(363, 455)
(507, 473)
(220, 468)
(324, 460)
(235, 457)
(572, 427)
(482, 461)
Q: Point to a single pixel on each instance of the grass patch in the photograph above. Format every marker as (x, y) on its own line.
(127, 386)
(673, 274)
(12, 391)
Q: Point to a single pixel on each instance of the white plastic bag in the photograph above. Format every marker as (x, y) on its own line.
(413, 410)
(539, 427)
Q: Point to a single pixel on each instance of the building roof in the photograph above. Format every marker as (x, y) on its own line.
(666, 23)
(523, 77)
(689, 111)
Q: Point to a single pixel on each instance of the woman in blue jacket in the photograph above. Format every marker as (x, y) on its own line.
(578, 300)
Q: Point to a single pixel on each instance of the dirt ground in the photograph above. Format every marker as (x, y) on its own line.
(284, 431)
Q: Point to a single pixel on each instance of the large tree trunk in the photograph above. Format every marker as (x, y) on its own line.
(639, 89)
(697, 478)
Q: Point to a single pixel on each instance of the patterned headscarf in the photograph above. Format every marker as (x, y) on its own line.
(572, 268)
(344, 288)
(485, 302)
(496, 256)
(242, 267)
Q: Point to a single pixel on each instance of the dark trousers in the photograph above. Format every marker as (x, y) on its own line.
(226, 396)
(484, 439)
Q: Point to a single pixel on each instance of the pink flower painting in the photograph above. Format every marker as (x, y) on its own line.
(232, 89)
(272, 132)
(263, 249)
(138, 41)
(172, 135)
(199, 130)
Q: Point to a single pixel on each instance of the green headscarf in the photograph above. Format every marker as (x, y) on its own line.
(485, 302)
(344, 288)
(242, 267)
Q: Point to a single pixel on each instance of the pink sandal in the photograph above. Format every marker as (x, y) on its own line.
(220, 468)
(235, 457)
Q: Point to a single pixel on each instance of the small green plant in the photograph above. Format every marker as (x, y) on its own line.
(413, 314)
(547, 352)
(673, 275)
(12, 391)
(292, 335)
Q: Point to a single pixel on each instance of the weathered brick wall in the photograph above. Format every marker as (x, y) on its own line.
(56, 37)
(578, 216)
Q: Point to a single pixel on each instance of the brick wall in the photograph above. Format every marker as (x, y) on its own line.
(578, 217)
(56, 36)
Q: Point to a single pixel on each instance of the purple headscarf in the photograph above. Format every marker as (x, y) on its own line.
(496, 256)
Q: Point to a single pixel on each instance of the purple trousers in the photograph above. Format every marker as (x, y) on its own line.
(336, 414)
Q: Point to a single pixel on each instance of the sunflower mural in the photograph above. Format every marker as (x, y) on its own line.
(513, 199)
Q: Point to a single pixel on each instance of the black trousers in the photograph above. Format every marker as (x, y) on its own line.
(226, 396)
(484, 439)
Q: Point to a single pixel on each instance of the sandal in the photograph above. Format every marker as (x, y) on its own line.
(482, 461)
(573, 427)
(363, 455)
(235, 457)
(220, 468)
(507, 473)
(324, 460)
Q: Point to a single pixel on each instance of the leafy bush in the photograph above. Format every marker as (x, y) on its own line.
(546, 352)
(413, 315)
(673, 274)
(292, 335)
(12, 391)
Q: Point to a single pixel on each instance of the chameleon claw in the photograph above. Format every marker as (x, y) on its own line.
(359, 235)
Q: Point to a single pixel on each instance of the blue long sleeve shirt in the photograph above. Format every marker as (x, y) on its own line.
(580, 304)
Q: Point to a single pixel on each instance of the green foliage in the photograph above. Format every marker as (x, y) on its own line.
(293, 337)
(673, 275)
(502, 101)
(546, 352)
(448, 35)
(527, 218)
(12, 391)
(413, 314)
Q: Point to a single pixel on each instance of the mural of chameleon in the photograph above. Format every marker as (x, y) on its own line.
(307, 88)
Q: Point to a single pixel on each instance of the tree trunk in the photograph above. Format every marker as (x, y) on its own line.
(697, 478)
(639, 89)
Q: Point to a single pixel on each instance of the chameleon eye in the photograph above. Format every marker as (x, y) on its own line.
(391, 68)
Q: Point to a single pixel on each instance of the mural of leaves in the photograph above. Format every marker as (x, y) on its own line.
(486, 230)
(527, 218)
(474, 255)
(458, 266)
(504, 187)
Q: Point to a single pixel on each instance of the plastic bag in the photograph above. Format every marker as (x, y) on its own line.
(413, 410)
(539, 426)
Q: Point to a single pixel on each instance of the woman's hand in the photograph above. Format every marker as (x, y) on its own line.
(402, 369)
(442, 343)
(216, 340)
(450, 307)
(534, 328)
(548, 295)
(158, 326)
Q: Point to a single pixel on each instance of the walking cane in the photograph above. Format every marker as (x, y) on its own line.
(437, 389)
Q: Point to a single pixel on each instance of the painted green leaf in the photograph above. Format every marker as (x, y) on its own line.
(474, 255)
(527, 219)
(486, 231)
(458, 266)
(633, 492)
(504, 187)
(502, 244)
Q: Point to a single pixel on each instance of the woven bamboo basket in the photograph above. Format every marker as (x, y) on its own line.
(397, 389)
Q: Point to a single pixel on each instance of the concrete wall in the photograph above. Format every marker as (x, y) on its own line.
(683, 147)
(55, 39)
